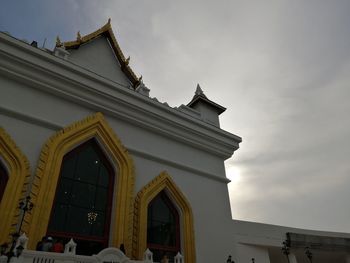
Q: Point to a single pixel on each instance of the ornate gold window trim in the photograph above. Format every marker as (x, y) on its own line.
(144, 197)
(47, 174)
(19, 173)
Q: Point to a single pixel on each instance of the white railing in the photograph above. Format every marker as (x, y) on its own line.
(108, 255)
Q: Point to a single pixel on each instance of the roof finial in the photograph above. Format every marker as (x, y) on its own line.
(140, 78)
(127, 61)
(199, 91)
(78, 36)
(58, 42)
(109, 21)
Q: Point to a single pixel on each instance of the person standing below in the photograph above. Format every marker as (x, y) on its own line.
(58, 246)
(39, 245)
(47, 245)
(164, 259)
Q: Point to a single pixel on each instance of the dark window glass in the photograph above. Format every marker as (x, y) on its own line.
(83, 200)
(3, 180)
(101, 198)
(163, 232)
(103, 177)
(68, 167)
(60, 213)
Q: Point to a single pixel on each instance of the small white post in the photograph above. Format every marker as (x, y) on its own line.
(70, 247)
(61, 52)
(347, 260)
(142, 89)
(21, 244)
(3, 259)
(292, 258)
(14, 260)
(23, 240)
(148, 256)
(178, 258)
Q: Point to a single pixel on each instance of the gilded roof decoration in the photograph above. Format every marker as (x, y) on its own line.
(106, 31)
(78, 36)
(58, 42)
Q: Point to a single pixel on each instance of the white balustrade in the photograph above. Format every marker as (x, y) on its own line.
(3, 259)
(108, 255)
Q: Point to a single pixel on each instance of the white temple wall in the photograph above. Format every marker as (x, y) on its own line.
(34, 106)
(208, 114)
(98, 57)
(31, 116)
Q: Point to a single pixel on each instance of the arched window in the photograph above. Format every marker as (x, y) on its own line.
(163, 231)
(83, 199)
(3, 180)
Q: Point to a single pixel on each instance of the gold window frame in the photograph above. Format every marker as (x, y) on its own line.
(17, 166)
(163, 182)
(47, 174)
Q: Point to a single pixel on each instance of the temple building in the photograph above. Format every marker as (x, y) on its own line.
(86, 153)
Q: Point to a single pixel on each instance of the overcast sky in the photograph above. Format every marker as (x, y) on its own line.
(282, 69)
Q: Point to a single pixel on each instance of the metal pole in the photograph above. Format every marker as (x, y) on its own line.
(285, 250)
(308, 253)
(25, 206)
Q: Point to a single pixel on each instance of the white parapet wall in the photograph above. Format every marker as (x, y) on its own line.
(108, 255)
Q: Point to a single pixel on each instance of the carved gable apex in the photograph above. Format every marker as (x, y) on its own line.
(100, 53)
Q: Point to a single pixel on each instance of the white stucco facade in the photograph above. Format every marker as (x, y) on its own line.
(41, 92)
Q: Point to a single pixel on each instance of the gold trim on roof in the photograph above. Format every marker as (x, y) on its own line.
(106, 31)
(58, 42)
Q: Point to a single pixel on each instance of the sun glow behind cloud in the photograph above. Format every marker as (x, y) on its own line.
(234, 174)
(236, 188)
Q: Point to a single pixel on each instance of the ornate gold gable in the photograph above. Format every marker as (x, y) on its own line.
(19, 173)
(106, 31)
(48, 171)
(144, 197)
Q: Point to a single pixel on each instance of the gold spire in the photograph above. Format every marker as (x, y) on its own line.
(78, 36)
(58, 42)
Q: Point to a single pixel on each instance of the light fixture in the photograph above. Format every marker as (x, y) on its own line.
(92, 217)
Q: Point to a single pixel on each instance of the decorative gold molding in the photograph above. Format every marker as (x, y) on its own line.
(58, 42)
(47, 174)
(107, 31)
(144, 197)
(19, 174)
